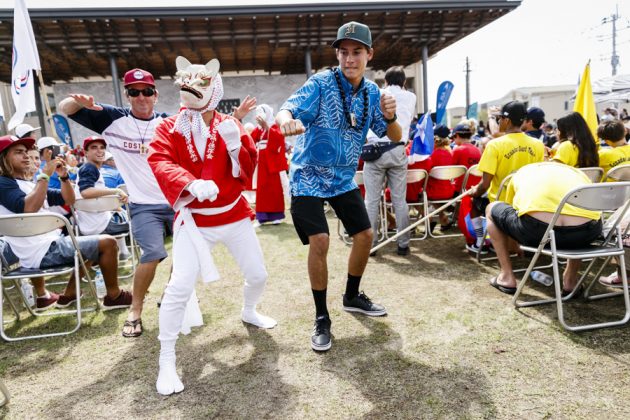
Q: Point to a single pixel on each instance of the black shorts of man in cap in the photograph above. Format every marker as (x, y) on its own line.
(331, 114)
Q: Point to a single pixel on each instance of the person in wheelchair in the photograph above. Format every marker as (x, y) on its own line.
(90, 184)
(532, 198)
(18, 195)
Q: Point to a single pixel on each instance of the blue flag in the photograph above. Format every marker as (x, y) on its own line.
(443, 95)
(422, 146)
(473, 111)
(63, 129)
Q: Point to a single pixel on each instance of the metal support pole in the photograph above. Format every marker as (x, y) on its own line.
(425, 79)
(115, 81)
(307, 63)
(38, 104)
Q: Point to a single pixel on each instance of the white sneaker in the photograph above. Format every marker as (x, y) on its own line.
(612, 280)
(475, 249)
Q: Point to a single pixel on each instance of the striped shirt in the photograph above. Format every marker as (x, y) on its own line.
(128, 139)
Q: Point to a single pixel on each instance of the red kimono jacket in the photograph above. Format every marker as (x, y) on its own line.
(176, 163)
(271, 161)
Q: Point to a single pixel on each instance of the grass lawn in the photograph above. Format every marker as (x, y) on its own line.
(451, 347)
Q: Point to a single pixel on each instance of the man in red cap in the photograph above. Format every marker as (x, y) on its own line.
(19, 195)
(128, 133)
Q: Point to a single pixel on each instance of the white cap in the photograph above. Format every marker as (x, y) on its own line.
(23, 129)
(108, 156)
(45, 142)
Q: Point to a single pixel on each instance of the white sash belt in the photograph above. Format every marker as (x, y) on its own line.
(209, 272)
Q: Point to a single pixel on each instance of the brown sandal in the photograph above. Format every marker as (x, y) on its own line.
(133, 324)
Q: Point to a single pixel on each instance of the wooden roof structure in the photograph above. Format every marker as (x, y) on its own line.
(267, 38)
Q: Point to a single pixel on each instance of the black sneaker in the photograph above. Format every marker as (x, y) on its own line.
(362, 304)
(403, 250)
(320, 340)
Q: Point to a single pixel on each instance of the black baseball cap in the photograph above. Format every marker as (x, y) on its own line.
(515, 111)
(536, 114)
(354, 31)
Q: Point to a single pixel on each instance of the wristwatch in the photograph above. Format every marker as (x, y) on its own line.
(389, 121)
(64, 178)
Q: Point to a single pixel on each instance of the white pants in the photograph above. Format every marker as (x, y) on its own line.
(240, 239)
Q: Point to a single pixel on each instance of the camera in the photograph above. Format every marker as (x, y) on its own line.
(56, 150)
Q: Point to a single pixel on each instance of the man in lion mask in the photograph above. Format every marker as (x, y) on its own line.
(202, 160)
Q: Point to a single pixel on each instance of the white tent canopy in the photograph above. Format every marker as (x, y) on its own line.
(612, 89)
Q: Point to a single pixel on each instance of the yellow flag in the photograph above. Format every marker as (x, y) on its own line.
(585, 103)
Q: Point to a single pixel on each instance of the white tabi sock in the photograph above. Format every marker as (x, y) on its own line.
(168, 381)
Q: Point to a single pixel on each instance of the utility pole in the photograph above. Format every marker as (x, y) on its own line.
(467, 84)
(614, 60)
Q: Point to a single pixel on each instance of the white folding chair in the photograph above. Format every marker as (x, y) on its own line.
(594, 173)
(618, 173)
(473, 171)
(103, 204)
(443, 173)
(33, 224)
(5, 267)
(414, 176)
(596, 197)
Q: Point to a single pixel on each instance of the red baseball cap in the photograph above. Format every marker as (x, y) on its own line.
(89, 140)
(8, 141)
(138, 76)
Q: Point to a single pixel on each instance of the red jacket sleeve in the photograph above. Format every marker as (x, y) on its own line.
(247, 156)
(163, 160)
(277, 150)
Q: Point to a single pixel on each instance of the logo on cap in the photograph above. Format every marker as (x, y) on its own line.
(138, 75)
(349, 29)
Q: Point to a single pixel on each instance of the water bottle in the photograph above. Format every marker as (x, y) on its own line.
(542, 278)
(101, 291)
(27, 291)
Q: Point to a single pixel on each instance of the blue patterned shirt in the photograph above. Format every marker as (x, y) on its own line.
(326, 156)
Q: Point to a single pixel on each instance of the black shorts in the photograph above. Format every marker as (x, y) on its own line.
(309, 217)
(527, 230)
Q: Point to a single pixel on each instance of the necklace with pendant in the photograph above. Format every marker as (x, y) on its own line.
(351, 118)
(143, 149)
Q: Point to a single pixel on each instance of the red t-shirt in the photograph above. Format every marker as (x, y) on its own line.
(467, 155)
(440, 189)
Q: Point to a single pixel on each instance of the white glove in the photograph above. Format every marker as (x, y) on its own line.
(231, 135)
(203, 189)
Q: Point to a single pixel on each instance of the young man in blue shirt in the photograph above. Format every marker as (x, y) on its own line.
(332, 113)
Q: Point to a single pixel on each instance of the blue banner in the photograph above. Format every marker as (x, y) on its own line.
(473, 111)
(63, 129)
(443, 95)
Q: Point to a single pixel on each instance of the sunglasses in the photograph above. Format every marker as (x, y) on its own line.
(497, 118)
(148, 92)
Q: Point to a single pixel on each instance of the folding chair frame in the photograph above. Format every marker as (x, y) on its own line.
(102, 204)
(413, 176)
(607, 249)
(443, 173)
(19, 224)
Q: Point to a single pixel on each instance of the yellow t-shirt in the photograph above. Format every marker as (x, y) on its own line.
(541, 187)
(609, 158)
(567, 153)
(507, 154)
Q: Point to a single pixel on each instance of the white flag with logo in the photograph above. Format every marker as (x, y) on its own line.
(25, 59)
